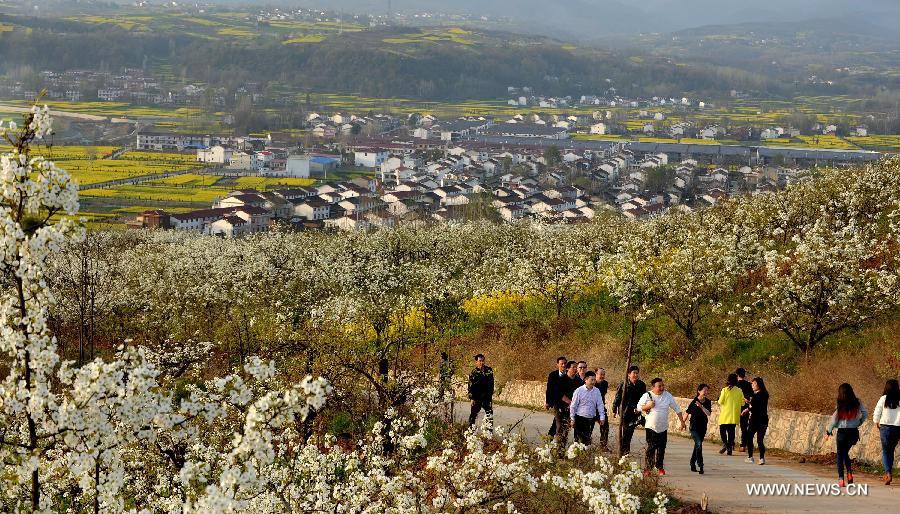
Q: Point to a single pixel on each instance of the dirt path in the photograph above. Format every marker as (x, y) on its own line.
(727, 478)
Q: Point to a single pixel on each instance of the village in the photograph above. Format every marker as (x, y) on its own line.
(427, 170)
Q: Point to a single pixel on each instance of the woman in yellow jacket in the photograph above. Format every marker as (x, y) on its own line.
(731, 399)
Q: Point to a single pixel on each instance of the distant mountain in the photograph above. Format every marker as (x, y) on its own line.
(590, 19)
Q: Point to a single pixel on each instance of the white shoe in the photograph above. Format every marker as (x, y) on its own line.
(749, 460)
(762, 461)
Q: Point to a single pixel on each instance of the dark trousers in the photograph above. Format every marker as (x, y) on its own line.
(745, 431)
(604, 434)
(697, 454)
(656, 448)
(890, 435)
(478, 405)
(561, 423)
(627, 434)
(846, 439)
(759, 431)
(584, 429)
(726, 432)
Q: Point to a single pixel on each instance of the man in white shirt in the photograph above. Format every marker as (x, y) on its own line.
(655, 405)
(587, 408)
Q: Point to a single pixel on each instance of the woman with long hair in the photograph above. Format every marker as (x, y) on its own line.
(731, 398)
(758, 410)
(699, 411)
(887, 419)
(848, 416)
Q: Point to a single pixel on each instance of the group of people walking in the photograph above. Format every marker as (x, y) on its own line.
(577, 398)
(851, 413)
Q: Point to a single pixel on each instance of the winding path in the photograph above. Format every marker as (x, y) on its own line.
(726, 480)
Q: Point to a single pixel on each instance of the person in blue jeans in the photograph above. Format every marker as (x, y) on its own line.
(887, 418)
(847, 418)
(699, 411)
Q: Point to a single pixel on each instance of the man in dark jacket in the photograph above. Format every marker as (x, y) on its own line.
(625, 408)
(602, 385)
(745, 387)
(567, 386)
(554, 393)
(581, 367)
(481, 390)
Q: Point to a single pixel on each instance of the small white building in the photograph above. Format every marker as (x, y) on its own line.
(312, 209)
(230, 226)
(215, 155)
(240, 161)
(598, 128)
(370, 158)
(297, 166)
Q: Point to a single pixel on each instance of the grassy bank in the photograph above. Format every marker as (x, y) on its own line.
(522, 340)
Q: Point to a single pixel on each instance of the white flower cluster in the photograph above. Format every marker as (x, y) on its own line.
(41, 123)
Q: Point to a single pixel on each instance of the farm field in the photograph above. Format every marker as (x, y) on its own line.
(60, 152)
(161, 193)
(183, 158)
(888, 143)
(91, 165)
(828, 142)
(111, 109)
(102, 170)
(263, 183)
(194, 180)
(217, 26)
(452, 35)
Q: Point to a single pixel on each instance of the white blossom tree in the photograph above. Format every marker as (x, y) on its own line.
(840, 269)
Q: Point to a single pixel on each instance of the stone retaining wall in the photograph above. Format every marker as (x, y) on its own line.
(797, 432)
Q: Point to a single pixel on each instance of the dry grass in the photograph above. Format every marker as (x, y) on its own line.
(526, 349)
(529, 351)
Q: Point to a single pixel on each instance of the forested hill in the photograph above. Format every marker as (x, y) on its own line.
(428, 63)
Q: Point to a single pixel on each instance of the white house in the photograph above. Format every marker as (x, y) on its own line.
(261, 160)
(215, 155)
(229, 226)
(346, 223)
(370, 157)
(297, 166)
(768, 134)
(312, 209)
(598, 128)
(240, 161)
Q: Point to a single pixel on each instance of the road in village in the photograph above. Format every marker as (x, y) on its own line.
(726, 478)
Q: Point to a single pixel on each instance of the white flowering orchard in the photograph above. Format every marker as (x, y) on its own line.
(148, 429)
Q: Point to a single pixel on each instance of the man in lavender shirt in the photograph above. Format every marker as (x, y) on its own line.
(587, 408)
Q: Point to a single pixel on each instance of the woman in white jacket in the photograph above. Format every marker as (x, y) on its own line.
(887, 419)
